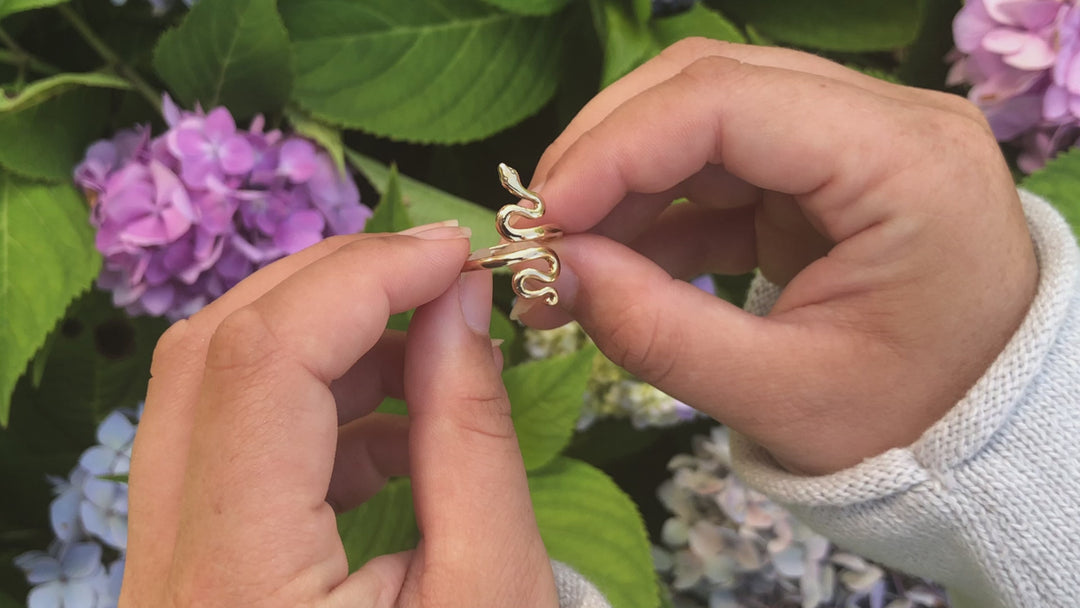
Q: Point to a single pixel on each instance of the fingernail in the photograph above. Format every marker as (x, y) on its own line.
(443, 233)
(521, 306)
(497, 342)
(567, 287)
(474, 289)
(423, 227)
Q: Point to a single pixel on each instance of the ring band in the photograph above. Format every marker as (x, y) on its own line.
(507, 254)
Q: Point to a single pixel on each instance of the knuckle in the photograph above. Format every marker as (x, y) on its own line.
(486, 415)
(242, 341)
(639, 343)
(709, 70)
(964, 107)
(688, 49)
(377, 247)
(179, 343)
(970, 138)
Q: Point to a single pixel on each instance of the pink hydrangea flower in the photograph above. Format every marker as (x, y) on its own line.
(1020, 58)
(183, 217)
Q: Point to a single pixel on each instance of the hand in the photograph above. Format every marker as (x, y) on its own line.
(887, 214)
(258, 426)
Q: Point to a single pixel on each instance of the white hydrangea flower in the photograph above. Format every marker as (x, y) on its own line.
(727, 545)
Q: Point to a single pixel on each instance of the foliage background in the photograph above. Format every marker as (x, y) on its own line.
(444, 90)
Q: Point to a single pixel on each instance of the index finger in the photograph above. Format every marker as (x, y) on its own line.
(777, 129)
(266, 428)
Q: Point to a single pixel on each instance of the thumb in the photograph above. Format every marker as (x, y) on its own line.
(696, 347)
(481, 545)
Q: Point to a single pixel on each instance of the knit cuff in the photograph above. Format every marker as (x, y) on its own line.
(574, 590)
(970, 424)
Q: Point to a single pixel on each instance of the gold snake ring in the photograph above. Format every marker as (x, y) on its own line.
(525, 244)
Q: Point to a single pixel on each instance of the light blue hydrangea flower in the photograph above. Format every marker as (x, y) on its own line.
(103, 511)
(67, 576)
(64, 509)
(115, 435)
(88, 512)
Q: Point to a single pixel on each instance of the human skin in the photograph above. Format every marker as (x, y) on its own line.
(887, 214)
(258, 426)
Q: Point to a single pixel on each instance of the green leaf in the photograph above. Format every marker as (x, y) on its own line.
(423, 70)
(47, 257)
(117, 478)
(10, 7)
(587, 522)
(42, 90)
(922, 64)
(1059, 183)
(99, 359)
(502, 328)
(323, 134)
(6, 601)
(233, 53)
(426, 204)
(530, 7)
(547, 396)
(626, 41)
(834, 25)
(390, 214)
(698, 21)
(629, 43)
(45, 140)
(384, 524)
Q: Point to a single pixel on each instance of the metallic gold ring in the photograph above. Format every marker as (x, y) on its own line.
(525, 244)
(524, 280)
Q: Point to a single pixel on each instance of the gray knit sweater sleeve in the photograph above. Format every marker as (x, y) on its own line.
(987, 501)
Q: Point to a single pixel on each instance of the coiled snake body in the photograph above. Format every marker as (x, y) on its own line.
(525, 244)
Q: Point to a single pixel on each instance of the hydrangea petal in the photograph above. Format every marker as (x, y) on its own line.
(970, 25)
(64, 515)
(236, 156)
(81, 559)
(1035, 54)
(81, 593)
(49, 595)
(219, 125)
(41, 569)
(298, 161)
(158, 300)
(116, 431)
(98, 460)
(116, 577)
(1005, 40)
(301, 230)
(1031, 14)
(789, 562)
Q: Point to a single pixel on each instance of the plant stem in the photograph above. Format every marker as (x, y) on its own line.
(110, 56)
(19, 57)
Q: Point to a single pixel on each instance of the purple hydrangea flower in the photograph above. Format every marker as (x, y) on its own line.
(1062, 101)
(183, 217)
(1020, 56)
